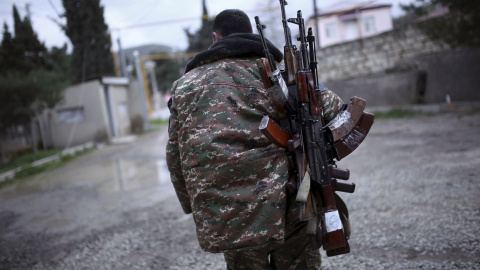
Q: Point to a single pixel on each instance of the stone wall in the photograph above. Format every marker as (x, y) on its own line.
(400, 67)
(396, 48)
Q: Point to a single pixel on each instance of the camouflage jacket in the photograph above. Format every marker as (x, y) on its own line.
(224, 170)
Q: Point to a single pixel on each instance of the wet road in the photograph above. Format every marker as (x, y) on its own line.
(89, 194)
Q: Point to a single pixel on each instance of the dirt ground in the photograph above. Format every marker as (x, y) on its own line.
(416, 205)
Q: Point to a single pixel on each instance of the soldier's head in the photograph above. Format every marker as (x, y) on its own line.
(231, 21)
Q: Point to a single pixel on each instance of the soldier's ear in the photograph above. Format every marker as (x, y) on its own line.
(216, 36)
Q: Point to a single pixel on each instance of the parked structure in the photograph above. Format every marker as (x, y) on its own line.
(347, 21)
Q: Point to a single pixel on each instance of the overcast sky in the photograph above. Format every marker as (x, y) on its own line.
(156, 21)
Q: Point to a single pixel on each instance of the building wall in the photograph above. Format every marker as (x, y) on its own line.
(379, 89)
(89, 98)
(119, 95)
(135, 100)
(455, 73)
(382, 18)
(383, 21)
(135, 107)
(95, 111)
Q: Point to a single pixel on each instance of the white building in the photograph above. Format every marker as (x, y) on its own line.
(346, 21)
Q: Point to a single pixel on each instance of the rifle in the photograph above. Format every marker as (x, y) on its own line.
(308, 141)
(317, 143)
(288, 50)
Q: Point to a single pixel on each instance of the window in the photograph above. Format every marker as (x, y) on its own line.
(370, 26)
(331, 30)
(351, 31)
(71, 115)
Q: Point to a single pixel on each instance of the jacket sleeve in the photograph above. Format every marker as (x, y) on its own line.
(331, 105)
(174, 162)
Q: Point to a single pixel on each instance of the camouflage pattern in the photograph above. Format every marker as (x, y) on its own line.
(294, 253)
(331, 105)
(225, 172)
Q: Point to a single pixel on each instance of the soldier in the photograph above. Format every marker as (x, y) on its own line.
(224, 170)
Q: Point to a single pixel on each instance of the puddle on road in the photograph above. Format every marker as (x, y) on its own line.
(123, 174)
(132, 174)
(87, 195)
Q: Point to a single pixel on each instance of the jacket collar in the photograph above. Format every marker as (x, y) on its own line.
(234, 45)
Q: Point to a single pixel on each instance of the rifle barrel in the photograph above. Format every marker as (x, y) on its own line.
(260, 28)
(286, 29)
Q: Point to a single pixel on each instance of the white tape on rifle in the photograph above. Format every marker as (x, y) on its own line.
(332, 221)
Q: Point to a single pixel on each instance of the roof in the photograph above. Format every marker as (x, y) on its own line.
(435, 14)
(349, 6)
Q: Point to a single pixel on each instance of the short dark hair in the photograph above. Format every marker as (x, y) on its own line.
(232, 21)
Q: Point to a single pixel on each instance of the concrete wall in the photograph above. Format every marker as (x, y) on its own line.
(121, 115)
(135, 100)
(104, 109)
(454, 72)
(379, 90)
(90, 98)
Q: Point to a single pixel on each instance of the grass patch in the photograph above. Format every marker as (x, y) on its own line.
(158, 121)
(27, 159)
(28, 170)
(399, 113)
(157, 124)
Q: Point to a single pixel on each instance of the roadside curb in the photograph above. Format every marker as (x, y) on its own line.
(69, 151)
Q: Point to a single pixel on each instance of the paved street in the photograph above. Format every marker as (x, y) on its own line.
(416, 205)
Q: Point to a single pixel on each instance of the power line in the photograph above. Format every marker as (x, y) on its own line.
(180, 20)
(54, 7)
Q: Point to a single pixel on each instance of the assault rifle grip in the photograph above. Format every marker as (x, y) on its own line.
(343, 174)
(343, 186)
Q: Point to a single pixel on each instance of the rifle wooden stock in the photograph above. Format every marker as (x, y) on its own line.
(333, 235)
(313, 96)
(302, 87)
(265, 71)
(349, 143)
(306, 92)
(290, 65)
(274, 133)
(277, 96)
(338, 251)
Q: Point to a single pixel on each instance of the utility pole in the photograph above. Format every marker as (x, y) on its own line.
(315, 14)
(141, 88)
(123, 61)
(27, 8)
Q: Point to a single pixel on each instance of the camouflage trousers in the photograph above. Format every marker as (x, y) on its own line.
(294, 254)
